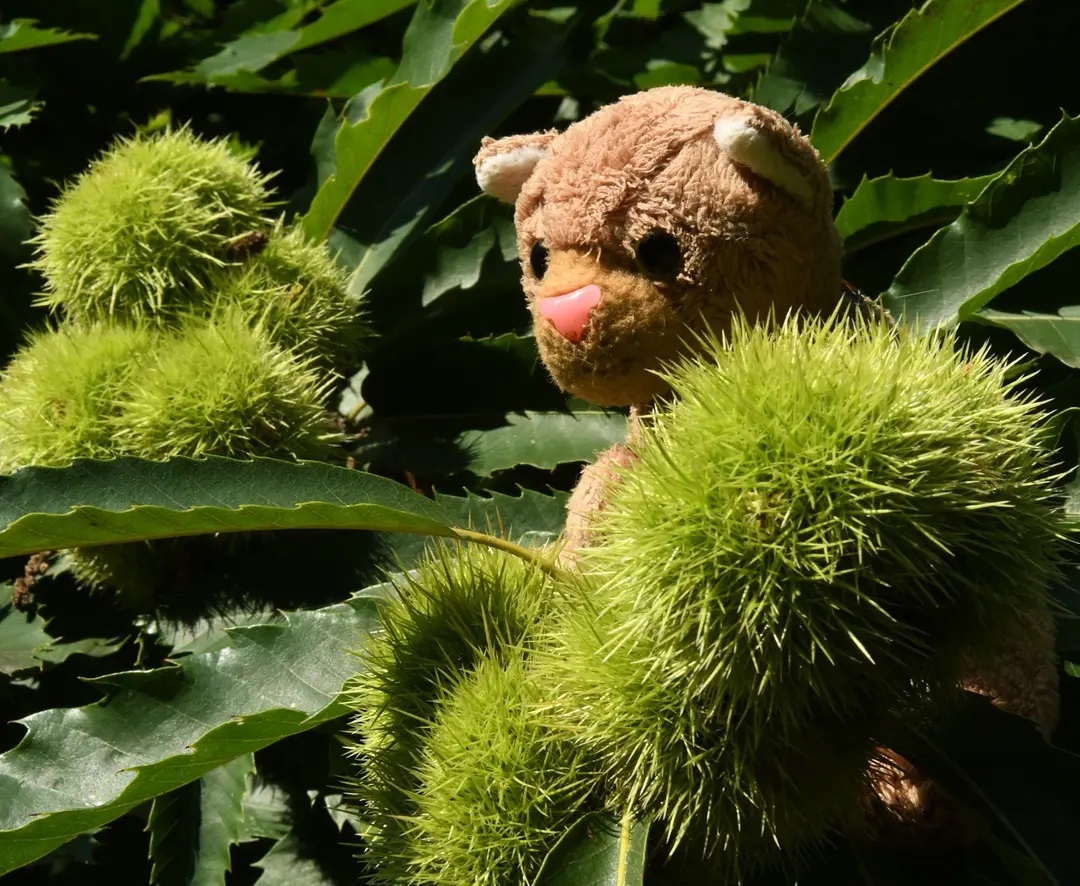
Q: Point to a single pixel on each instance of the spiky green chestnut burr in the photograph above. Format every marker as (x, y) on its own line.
(224, 388)
(497, 791)
(826, 521)
(462, 603)
(61, 393)
(298, 292)
(147, 224)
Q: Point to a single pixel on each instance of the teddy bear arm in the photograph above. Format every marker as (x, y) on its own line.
(1024, 678)
(590, 496)
(902, 804)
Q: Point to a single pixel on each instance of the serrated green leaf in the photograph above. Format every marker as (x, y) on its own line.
(148, 15)
(885, 207)
(900, 56)
(23, 33)
(128, 499)
(439, 34)
(328, 74)
(1026, 217)
(79, 768)
(1055, 334)
(541, 439)
(417, 175)
(17, 105)
(287, 864)
(341, 812)
(467, 258)
(211, 634)
(1014, 130)
(20, 635)
(193, 828)
(531, 518)
(717, 22)
(813, 59)
(56, 651)
(599, 852)
(266, 812)
(237, 63)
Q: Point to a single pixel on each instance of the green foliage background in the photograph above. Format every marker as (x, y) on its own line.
(950, 132)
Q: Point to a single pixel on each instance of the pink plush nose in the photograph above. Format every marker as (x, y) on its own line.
(569, 313)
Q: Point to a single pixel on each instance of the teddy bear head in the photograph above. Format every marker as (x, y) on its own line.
(649, 223)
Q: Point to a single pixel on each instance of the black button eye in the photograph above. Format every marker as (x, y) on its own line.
(658, 254)
(538, 260)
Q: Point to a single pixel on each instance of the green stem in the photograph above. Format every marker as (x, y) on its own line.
(509, 547)
(624, 847)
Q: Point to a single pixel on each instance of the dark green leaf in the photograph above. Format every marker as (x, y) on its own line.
(78, 768)
(20, 636)
(193, 827)
(330, 74)
(22, 33)
(1058, 335)
(885, 207)
(17, 105)
(341, 812)
(531, 518)
(1014, 130)
(416, 176)
(149, 13)
(1026, 217)
(56, 651)
(999, 767)
(211, 634)
(266, 812)
(599, 853)
(465, 266)
(543, 440)
(127, 499)
(440, 33)
(814, 58)
(287, 864)
(917, 42)
(15, 224)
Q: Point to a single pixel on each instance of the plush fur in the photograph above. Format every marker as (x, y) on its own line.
(650, 163)
(749, 204)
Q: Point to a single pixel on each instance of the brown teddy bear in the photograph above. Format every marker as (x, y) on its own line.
(654, 220)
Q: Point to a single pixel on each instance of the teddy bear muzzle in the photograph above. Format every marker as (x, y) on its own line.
(569, 313)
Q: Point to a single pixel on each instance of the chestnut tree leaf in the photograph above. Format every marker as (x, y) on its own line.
(885, 207)
(20, 636)
(193, 827)
(110, 501)
(529, 518)
(1055, 334)
(78, 768)
(900, 56)
(543, 440)
(599, 852)
(23, 33)
(1024, 219)
(439, 34)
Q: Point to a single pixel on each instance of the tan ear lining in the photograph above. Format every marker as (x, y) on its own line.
(504, 165)
(751, 147)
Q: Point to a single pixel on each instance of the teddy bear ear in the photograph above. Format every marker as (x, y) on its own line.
(504, 165)
(758, 150)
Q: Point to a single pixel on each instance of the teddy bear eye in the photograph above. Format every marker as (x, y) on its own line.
(658, 254)
(538, 259)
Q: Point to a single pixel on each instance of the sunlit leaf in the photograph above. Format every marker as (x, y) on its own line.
(1024, 219)
(885, 207)
(79, 768)
(23, 33)
(917, 42)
